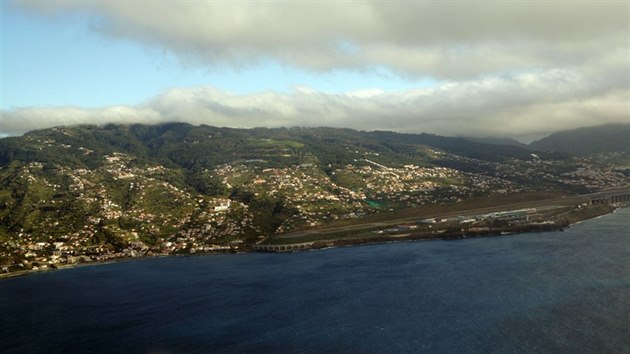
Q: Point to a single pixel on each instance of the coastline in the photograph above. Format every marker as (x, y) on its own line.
(390, 232)
(22, 273)
(349, 242)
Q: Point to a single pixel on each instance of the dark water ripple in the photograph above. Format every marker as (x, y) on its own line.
(561, 292)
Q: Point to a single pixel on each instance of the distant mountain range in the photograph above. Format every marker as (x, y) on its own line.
(585, 141)
(498, 141)
(203, 146)
(582, 141)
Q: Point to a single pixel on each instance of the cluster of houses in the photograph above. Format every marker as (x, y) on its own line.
(594, 179)
(209, 223)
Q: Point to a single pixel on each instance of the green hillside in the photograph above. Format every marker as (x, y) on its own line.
(585, 141)
(85, 193)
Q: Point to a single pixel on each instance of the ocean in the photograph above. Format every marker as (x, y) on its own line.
(556, 292)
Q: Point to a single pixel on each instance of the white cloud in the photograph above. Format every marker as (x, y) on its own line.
(510, 105)
(21, 120)
(512, 68)
(442, 39)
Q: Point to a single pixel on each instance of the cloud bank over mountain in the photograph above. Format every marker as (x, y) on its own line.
(527, 104)
(500, 68)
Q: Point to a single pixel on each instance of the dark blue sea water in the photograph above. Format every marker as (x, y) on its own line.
(558, 292)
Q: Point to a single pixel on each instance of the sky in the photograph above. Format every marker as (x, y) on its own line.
(517, 69)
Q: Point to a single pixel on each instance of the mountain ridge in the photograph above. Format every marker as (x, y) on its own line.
(588, 140)
(86, 193)
(497, 141)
